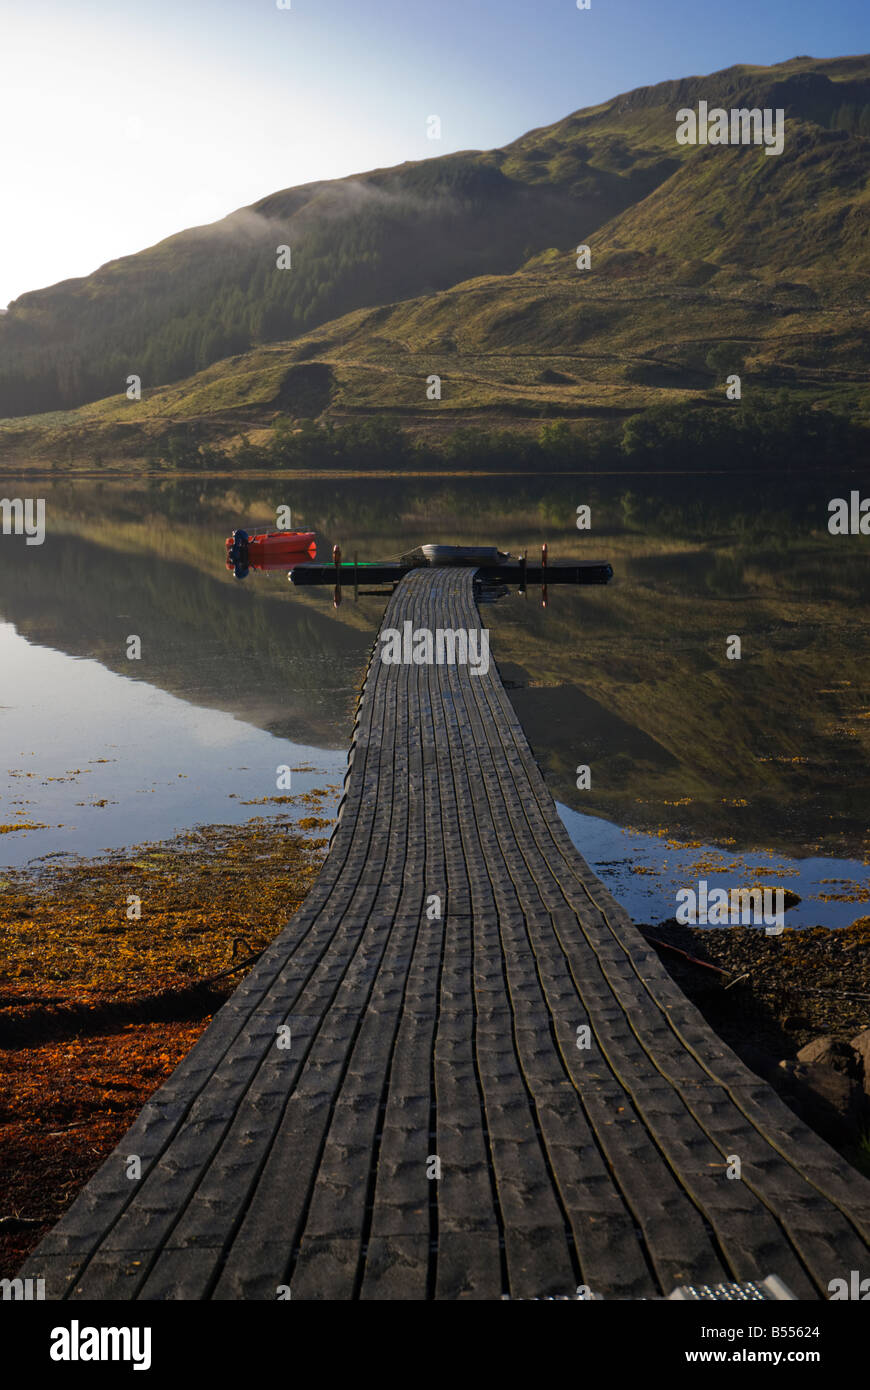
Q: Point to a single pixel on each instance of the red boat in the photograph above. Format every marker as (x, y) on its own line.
(268, 550)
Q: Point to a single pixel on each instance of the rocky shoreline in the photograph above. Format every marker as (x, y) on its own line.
(96, 1009)
(795, 1008)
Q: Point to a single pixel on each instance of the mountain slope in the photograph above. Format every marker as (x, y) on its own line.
(398, 234)
(738, 262)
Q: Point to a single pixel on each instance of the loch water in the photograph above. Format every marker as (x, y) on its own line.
(701, 766)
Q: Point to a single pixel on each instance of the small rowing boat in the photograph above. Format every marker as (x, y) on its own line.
(268, 550)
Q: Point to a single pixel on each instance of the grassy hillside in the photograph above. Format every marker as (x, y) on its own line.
(705, 260)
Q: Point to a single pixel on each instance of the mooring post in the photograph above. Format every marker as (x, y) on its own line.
(336, 559)
(523, 560)
(544, 575)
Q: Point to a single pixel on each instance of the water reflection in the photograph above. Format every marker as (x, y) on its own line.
(768, 752)
(94, 761)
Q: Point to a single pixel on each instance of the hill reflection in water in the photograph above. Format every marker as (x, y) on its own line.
(765, 753)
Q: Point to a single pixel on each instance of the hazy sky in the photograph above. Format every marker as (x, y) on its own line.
(125, 123)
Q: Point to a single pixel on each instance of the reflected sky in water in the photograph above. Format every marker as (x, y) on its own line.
(105, 762)
(644, 874)
(757, 764)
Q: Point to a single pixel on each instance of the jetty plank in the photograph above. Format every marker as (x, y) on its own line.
(434, 1130)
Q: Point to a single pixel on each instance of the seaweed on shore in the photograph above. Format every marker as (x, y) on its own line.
(97, 1007)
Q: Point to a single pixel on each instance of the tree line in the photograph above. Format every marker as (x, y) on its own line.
(217, 294)
(773, 433)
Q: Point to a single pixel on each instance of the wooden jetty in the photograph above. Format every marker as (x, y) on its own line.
(399, 1104)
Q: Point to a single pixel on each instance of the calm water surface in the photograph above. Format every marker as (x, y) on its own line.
(733, 771)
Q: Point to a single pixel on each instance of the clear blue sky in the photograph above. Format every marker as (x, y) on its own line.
(125, 123)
